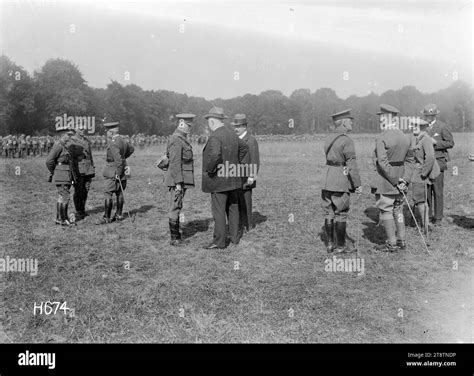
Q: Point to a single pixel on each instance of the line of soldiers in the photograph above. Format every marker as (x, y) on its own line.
(400, 160)
(21, 146)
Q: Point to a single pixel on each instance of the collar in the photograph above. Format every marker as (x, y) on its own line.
(243, 135)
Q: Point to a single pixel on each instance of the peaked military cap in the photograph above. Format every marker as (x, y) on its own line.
(430, 109)
(216, 112)
(60, 127)
(239, 120)
(111, 124)
(419, 122)
(387, 109)
(187, 117)
(346, 114)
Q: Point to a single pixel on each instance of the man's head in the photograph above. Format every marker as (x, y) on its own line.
(419, 126)
(185, 122)
(344, 119)
(388, 116)
(429, 112)
(112, 128)
(240, 124)
(215, 118)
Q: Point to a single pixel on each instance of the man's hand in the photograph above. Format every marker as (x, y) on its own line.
(402, 185)
(117, 177)
(358, 190)
(178, 187)
(250, 181)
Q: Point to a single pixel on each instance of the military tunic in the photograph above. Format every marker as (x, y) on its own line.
(342, 174)
(180, 171)
(57, 163)
(117, 152)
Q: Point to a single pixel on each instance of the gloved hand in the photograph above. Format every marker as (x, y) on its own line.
(402, 185)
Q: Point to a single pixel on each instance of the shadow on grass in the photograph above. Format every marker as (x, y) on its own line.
(463, 221)
(258, 218)
(193, 227)
(141, 209)
(372, 231)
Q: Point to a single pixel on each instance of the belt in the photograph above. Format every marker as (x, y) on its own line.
(400, 163)
(337, 164)
(62, 163)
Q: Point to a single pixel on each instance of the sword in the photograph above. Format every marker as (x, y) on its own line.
(121, 188)
(416, 223)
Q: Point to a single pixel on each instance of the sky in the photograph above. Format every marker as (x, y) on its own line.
(225, 49)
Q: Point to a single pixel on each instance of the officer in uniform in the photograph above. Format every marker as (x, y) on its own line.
(248, 182)
(442, 140)
(425, 170)
(60, 164)
(118, 150)
(394, 167)
(180, 174)
(342, 177)
(86, 173)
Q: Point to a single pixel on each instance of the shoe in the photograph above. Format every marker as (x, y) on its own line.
(387, 247)
(103, 221)
(80, 216)
(117, 218)
(213, 246)
(401, 244)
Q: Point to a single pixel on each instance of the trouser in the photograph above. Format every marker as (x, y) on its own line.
(225, 204)
(245, 208)
(335, 205)
(391, 216)
(436, 197)
(63, 193)
(176, 203)
(81, 191)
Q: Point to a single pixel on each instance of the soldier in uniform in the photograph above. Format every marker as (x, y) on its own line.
(249, 182)
(342, 178)
(394, 167)
(180, 174)
(442, 140)
(223, 148)
(60, 164)
(86, 173)
(118, 150)
(426, 168)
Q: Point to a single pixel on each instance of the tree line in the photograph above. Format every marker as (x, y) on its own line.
(29, 104)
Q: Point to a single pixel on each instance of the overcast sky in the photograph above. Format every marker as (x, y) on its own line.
(201, 48)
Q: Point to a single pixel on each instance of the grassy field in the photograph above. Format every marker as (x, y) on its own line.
(126, 284)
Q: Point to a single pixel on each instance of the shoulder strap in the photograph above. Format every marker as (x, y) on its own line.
(332, 143)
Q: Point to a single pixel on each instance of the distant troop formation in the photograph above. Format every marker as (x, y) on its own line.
(231, 161)
(22, 146)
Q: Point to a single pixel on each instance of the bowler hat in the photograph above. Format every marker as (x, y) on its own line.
(239, 120)
(216, 112)
(430, 109)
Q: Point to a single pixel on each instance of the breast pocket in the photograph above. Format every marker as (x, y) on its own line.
(187, 155)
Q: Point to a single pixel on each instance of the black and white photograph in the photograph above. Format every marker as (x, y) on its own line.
(236, 172)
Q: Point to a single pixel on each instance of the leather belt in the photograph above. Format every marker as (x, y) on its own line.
(336, 164)
(62, 163)
(400, 163)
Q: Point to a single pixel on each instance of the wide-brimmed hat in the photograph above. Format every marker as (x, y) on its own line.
(430, 109)
(216, 112)
(239, 120)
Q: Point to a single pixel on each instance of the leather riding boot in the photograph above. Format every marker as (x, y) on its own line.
(329, 232)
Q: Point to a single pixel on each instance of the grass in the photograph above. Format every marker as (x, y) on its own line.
(272, 287)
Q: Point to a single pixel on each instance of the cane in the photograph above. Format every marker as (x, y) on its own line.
(121, 188)
(426, 213)
(416, 223)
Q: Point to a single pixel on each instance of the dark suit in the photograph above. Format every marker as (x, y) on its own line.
(223, 149)
(245, 194)
(444, 141)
